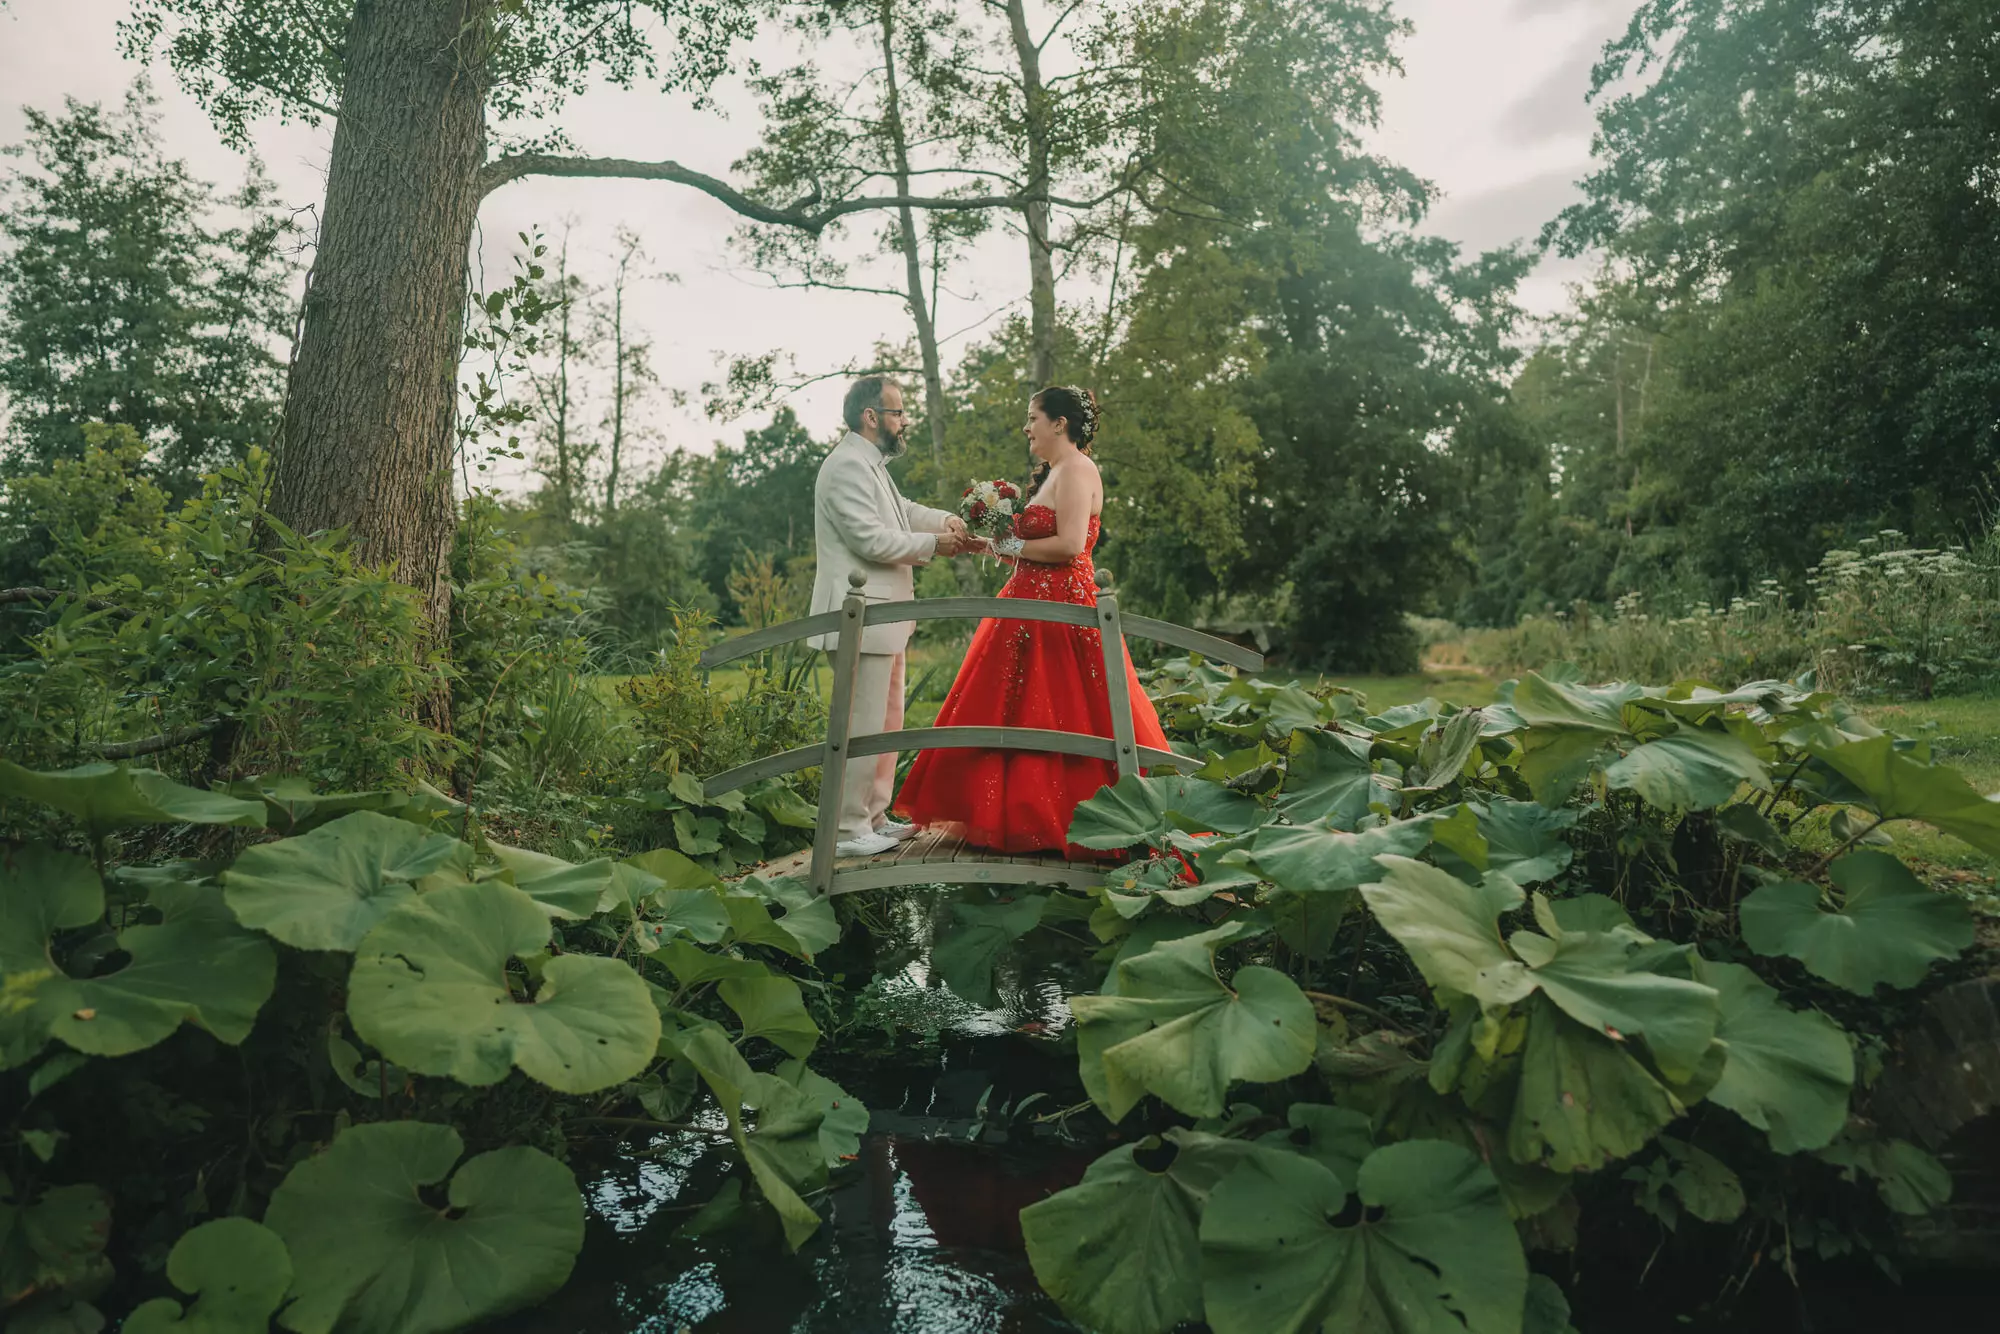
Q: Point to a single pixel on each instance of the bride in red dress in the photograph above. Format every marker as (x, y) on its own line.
(1034, 673)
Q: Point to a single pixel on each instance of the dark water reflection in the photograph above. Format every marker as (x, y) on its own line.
(922, 1234)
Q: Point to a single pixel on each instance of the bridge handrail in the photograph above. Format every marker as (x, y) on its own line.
(1013, 609)
(856, 613)
(944, 738)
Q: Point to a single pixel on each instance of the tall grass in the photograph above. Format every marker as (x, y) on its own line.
(1882, 619)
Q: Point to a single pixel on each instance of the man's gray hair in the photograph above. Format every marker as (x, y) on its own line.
(863, 394)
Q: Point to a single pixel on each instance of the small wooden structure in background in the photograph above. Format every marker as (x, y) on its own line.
(934, 858)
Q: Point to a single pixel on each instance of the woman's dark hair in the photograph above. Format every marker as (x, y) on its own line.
(1078, 409)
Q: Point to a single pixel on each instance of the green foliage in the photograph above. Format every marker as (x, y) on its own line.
(454, 991)
(431, 990)
(126, 300)
(1754, 347)
(325, 889)
(369, 1253)
(1477, 1053)
(1439, 1253)
(276, 648)
(1888, 930)
(237, 1271)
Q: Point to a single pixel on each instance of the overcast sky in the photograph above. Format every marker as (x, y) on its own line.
(1491, 108)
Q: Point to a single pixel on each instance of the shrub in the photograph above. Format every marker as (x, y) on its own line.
(216, 623)
(1884, 618)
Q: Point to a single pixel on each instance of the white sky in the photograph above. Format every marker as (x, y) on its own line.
(1491, 109)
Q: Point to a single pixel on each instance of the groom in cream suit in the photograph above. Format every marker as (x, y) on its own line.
(861, 522)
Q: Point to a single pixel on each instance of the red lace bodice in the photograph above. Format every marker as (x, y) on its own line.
(1074, 581)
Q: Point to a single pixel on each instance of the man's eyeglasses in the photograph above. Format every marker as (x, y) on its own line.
(891, 412)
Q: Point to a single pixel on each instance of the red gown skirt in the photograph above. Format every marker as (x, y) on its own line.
(1027, 674)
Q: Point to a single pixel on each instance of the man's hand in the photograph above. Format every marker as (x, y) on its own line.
(954, 524)
(954, 543)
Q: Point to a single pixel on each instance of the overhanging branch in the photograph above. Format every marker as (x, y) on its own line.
(40, 595)
(808, 214)
(153, 745)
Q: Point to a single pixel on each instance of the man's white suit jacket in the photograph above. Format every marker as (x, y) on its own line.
(862, 522)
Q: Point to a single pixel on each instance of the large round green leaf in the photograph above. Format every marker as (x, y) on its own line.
(774, 1009)
(55, 1242)
(1542, 703)
(964, 957)
(1320, 859)
(1524, 839)
(1138, 810)
(196, 965)
(325, 889)
(1120, 1251)
(1432, 1252)
(1789, 1072)
(1582, 1100)
(1176, 1031)
(105, 796)
(568, 892)
(1597, 978)
(1890, 926)
(370, 1255)
(1902, 787)
(1688, 770)
(1330, 777)
(42, 891)
(786, 1149)
(238, 1271)
(808, 918)
(430, 991)
(844, 1117)
(1451, 929)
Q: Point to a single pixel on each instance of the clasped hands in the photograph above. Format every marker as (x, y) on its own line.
(956, 541)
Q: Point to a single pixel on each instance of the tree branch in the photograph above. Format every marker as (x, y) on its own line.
(8, 595)
(806, 214)
(1061, 18)
(152, 745)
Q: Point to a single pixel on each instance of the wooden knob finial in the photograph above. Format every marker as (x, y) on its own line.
(1104, 578)
(856, 579)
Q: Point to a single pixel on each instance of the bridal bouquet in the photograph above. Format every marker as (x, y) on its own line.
(988, 508)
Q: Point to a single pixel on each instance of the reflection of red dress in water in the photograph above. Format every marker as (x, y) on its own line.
(1027, 674)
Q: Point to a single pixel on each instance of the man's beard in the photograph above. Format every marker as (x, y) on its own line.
(892, 442)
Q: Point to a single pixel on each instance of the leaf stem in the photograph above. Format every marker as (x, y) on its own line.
(1827, 860)
(645, 1123)
(1361, 1007)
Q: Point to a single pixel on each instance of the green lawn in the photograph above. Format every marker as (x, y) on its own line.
(1965, 733)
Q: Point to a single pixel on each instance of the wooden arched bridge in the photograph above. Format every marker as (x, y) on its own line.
(935, 857)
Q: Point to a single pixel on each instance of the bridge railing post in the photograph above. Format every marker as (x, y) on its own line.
(1111, 638)
(839, 710)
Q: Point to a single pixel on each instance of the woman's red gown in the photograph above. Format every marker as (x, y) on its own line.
(1027, 674)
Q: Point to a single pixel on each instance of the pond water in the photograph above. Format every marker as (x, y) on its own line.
(923, 1236)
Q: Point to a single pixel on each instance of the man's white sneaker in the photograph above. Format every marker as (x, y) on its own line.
(896, 829)
(866, 845)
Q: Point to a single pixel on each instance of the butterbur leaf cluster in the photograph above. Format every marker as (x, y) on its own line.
(1384, 986)
(431, 985)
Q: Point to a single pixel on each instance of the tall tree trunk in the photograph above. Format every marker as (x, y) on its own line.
(911, 245)
(1035, 216)
(368, 438)
(555, 395)
(617, 389)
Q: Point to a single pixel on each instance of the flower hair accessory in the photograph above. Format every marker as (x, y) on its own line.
(1086, 412)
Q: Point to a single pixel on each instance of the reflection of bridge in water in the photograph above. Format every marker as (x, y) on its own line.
(935, 858)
